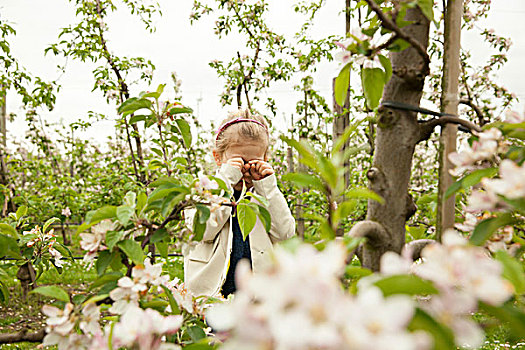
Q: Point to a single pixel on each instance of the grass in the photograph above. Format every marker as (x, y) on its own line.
(76, 277)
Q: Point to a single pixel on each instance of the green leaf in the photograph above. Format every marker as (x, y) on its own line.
(104, 279)
(124, 214)
(470, 180)
(180, 109)
(305, 180)
(116, 260)
(387, 65)
(204, 213)
(247, 219)
(162, 247)
(133, 104)
(142, 199)
(443, 337)
(373, 82)
(160, 89)
(103, 260)
(112, 237)
(265, 217)
(357, 271)
(9, 248)
(48, 223)
(8, 230)
(487, 227)
(426, 7)
(364, 193)
(133, 250)
(52, 292)
(159, 235)
(21, 211)
(511, 316)
(95, 299)
(262, 200)
(512, 271)
(185, 131)
(94, 217)
(343, 210)
(196, 333)
(130, 199)
(405, 284)
(341, 85)
(198, 227)
(199, 346)
(137, 118)
(174, 306)
(399, 45)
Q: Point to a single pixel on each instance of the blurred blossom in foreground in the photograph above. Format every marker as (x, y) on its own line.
(269, 311)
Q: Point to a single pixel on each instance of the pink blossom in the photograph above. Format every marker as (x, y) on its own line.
(511, 183)
(482, 200)
(66, 212)
(144, 329)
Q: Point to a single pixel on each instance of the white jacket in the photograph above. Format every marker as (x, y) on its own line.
(206, 263)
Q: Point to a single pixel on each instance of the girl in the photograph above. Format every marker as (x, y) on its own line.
(241, 153)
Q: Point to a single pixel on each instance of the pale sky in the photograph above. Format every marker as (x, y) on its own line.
(187, 49)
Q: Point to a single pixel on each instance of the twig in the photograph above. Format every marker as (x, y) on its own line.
(389, 24)
(386, 44)
(244, 79)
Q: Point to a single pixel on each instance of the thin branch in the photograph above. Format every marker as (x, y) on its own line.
(244, 79)
(389, 24)
(123, 91)
(386, 44)
(23, 335)
(475, 108)
(416, 247)
(373, 231)
(448, 119)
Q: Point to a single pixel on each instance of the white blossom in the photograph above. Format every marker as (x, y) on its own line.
(511, 183)
(144, 329)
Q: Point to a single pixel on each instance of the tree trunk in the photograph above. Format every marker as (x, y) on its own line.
(27, 277)
(449, 104)
(398, 133)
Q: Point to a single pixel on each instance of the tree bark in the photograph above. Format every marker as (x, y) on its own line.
(398, 133)
(449, 104)
(27, 277)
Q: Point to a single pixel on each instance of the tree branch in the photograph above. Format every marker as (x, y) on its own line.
(23, 335)
(389, 24)
(373, 231)
(386, 44)
(416, 247)
(427, 127)
(476, 109)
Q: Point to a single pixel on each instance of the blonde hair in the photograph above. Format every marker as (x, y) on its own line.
(244, 130)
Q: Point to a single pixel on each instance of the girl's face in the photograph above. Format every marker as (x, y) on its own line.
(247, 151)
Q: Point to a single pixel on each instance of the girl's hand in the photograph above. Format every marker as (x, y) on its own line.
(237, 162)
(260, 169)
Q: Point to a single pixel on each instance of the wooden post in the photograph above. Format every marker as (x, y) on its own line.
(449, 104)
(3, 132)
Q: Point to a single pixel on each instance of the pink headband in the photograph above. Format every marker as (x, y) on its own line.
(238, 120)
